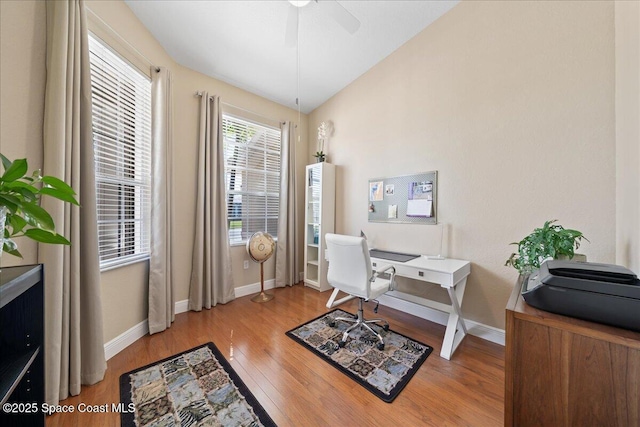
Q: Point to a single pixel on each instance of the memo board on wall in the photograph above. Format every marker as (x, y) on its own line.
(408, 199)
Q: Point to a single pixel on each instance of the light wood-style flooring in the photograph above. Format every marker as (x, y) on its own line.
(298, 388)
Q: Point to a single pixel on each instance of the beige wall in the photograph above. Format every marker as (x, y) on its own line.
(513, 104)
(627, 19)
(186, 105)
(23, 79)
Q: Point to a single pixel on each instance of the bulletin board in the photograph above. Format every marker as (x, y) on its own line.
(408, 199)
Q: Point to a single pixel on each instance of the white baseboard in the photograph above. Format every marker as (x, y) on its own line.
(182, 306)
(130, 336)
(125, 339)
(480, 330)
(254, 288)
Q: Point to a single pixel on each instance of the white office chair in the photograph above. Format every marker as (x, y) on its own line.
(350, 271)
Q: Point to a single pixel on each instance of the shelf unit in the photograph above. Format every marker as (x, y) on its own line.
(22, 344)
(319, 220)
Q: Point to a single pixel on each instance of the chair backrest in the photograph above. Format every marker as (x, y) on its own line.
(349, 264)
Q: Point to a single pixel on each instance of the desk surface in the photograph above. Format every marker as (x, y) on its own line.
(447, 265)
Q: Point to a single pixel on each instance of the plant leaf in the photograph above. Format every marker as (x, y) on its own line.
(27, 193)
(10, 247)
(17, 223)
(11, 202)
(5, 162)
(17, 170)
(59, 194)
(46, 237)
(37, 217)
(58, 184)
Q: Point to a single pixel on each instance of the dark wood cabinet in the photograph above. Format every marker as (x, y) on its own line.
(21, 346)
(562, 371)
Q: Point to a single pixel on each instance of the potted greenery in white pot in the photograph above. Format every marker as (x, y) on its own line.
(20, 211)
(550, 241)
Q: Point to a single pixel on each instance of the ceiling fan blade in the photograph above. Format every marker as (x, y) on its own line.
(291, 35)
(341, 15)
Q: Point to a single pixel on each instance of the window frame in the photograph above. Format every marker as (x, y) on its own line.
(230, 194)
(122, 152)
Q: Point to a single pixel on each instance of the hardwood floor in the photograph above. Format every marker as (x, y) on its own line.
(299, 389)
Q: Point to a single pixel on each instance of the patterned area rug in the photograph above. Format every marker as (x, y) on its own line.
(194, 388)
(383, 373)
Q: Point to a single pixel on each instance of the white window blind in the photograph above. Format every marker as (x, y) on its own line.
(122, 144)
(252, 177)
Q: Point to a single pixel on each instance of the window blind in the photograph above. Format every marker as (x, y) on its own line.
(252, 177)
(121, 102)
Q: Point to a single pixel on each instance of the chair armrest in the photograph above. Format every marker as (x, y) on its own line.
(386, 268)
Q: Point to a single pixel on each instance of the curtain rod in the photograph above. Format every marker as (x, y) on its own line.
(121, 39)
(200, 93)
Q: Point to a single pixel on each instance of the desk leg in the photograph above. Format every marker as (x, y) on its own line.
(453, 337)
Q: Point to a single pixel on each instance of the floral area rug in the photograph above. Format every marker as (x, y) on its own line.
(384, 373)
(194, 388)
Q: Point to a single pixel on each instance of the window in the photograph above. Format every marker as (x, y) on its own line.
(122, 144)
(252, 177)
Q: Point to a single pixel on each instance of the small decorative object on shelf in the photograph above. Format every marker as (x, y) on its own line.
(323, 129)
(551, 241)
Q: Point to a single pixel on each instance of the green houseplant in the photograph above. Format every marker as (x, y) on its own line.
(20, 209)
(550, 241)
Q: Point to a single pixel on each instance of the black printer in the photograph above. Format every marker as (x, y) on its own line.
(602, 293)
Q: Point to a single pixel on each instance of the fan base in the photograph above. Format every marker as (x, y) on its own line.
(262, 297)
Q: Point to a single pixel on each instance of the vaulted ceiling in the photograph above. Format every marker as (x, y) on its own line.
(244, 43)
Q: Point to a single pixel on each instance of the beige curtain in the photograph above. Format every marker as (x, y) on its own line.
(211, 279)
(161, 298)
(74, 344)
(287, 271)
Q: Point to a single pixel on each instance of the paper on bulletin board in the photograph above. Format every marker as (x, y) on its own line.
(419, 207)
(375, 191)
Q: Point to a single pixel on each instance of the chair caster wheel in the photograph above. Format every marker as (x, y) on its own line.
(332, 324)
(341, 343)
(380, 346)
(386, 328)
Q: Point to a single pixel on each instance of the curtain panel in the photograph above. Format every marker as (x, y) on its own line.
(211, 278)
(287, 270)
(161, 297)
(74, 341)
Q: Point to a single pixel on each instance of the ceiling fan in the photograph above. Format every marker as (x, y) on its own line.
(331, 7)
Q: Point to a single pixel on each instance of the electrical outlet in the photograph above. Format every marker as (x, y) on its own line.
(246, 264)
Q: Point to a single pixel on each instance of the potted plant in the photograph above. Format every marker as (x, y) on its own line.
(551, 241)
(322, 135)
(20, 212)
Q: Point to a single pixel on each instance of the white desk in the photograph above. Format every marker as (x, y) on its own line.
(450, 274)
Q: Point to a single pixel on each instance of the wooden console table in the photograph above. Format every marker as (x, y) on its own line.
(562, 371)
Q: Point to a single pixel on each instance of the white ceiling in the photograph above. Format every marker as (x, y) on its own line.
(243, 42)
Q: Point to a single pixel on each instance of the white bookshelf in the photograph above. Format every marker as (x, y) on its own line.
(319, 220)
